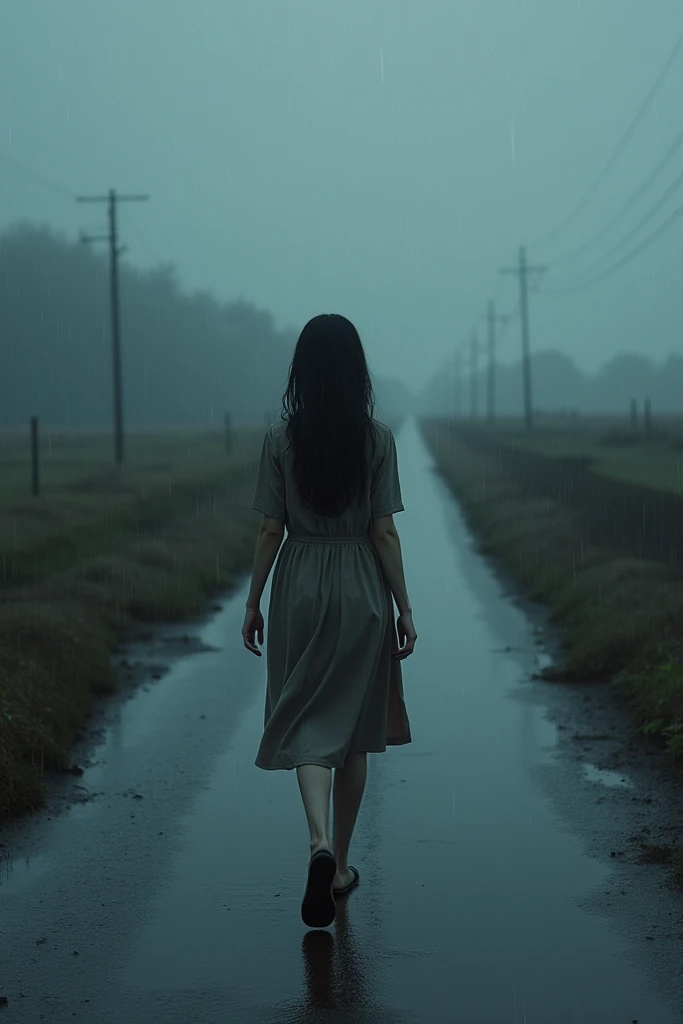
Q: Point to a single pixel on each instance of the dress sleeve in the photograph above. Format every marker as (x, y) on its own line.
(385, 493)
(269, 495)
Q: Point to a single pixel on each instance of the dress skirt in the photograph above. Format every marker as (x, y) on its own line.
(333, 685)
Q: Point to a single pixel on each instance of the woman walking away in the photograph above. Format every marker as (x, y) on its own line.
(329, 472)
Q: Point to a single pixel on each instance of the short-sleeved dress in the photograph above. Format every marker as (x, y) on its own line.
(333, 686)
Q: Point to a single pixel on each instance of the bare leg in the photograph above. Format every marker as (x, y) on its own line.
(315, 783)
(349, 785)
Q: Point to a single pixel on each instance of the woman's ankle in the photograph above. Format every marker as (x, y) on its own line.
(319, 844)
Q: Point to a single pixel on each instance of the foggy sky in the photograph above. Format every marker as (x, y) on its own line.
(377, 158)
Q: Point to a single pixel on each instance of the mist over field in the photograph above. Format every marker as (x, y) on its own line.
(381, 161)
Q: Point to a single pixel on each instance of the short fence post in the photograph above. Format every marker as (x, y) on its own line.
(34, 454)
(647, 416)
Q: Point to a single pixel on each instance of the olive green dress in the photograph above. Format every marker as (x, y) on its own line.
(333, 686)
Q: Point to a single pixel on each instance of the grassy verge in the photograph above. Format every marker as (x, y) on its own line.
(83, 566)
(621, 616)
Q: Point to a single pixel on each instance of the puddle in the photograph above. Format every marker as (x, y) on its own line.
(543, 660)
(605, 777)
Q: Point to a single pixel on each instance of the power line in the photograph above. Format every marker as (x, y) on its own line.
(673, 188)
(620, 147)
(39, 177)
(663, 199)
(631, 201)
(621, 263)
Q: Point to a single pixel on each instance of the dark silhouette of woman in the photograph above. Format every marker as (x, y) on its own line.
(329, 472)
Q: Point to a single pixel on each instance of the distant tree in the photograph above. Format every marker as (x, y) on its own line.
(186, 359)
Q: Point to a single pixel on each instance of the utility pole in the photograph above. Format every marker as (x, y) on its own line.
(114, 252)
(473, 374)
(473, 371)
(492, 321)
(458, 384)
(523, 270)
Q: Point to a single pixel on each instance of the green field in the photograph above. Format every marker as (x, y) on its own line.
(616, 450)
(68, 458)
(87, 504)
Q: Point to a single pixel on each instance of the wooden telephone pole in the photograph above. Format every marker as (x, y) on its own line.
(112, 199)
(474, 350)
(474, 347)
(458, 384)
(492, 321)
(523, 271)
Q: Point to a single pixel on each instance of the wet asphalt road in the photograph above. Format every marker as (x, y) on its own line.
(174, 893)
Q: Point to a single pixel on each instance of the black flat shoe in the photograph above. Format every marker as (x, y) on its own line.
(317, 908)
(352, 884)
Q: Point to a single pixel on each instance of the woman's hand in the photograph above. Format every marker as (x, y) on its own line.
(253, 623)
(407, 635)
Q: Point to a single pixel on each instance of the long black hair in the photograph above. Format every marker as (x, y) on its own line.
(329, 405)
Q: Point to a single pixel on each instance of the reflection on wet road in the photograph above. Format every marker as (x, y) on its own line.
(174, 895)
